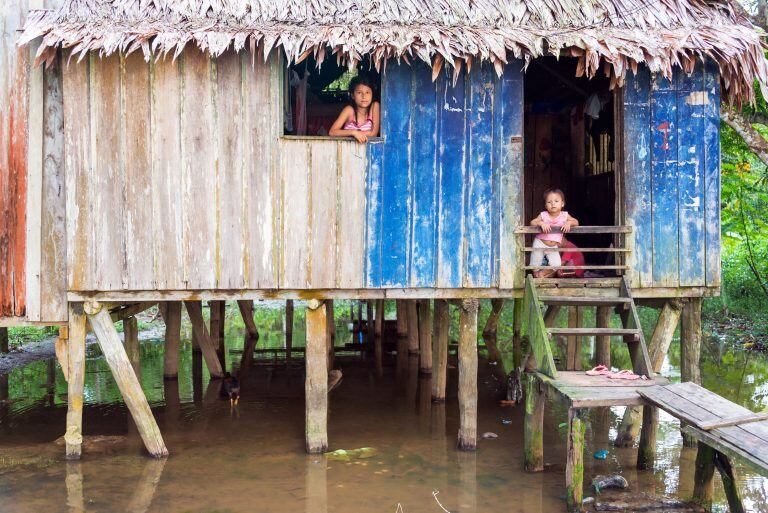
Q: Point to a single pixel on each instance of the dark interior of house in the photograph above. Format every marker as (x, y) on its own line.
(569, 145)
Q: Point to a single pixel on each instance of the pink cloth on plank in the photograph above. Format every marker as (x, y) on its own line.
(557, 221)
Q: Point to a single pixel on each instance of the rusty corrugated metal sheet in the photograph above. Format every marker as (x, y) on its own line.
(13, 162)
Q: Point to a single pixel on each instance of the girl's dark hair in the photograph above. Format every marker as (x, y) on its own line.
(554, 191)
(358, 81)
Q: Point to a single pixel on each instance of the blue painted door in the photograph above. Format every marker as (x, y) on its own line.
(444, 185)
(672, 177)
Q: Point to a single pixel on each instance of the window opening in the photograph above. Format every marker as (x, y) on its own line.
(314, 97)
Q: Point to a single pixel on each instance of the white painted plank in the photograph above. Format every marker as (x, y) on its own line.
(167, 176)
(199, 171)
(295, 214)
(350, 235)
(229, 131)
(322, 211)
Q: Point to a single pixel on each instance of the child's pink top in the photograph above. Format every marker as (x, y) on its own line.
(557, 221)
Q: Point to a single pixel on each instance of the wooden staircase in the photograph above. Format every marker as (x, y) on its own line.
(540, 311)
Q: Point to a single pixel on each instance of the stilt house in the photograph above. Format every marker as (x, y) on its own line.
(174, 150)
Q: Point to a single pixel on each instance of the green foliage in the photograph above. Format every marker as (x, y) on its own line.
(26, 334)
(744, 202)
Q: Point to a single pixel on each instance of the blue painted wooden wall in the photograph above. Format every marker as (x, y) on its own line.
(672, 177)
(444, 185)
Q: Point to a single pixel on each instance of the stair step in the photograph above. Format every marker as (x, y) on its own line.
(585, 332)
(585, 301)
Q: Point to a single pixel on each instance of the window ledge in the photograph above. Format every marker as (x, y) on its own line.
(326, 138)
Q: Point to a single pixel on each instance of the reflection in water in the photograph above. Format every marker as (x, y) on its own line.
(315, 481)
(146, 486)
(74, 483)
(217, 453)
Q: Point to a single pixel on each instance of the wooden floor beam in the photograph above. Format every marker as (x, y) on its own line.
(468, 375)
(316, 380)
(126, 379)
(73, 437)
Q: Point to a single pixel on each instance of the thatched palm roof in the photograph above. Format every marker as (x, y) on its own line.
(608, 35)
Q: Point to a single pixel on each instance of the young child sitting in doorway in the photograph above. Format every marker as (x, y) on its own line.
(554, 222)
(360, 119)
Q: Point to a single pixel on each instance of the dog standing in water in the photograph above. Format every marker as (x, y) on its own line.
(231, 388)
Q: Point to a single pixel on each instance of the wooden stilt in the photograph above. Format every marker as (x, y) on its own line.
(533, 429)
(246, 311)
(329, 333)
(413, 326)
(172, 339)
(379, 317)
(76, 362)
(126, 380)
(573, 352)
(663, 332)
(646, 451)
(172, 401)
(3, 340)
(359, 315)
(288, 329)
(703, 482)
(218, 312)
(425, 337)
(690, 350)
(603, 342)
(440, 354)
(132, 347)
(517, 339)
(62, 354)
(574, 466)
(402, 318)
(468, 375)
(215, 319)
(316, 382)
(629, 427)
(492, 323)
(728, 475)
(378, 339)
(200, 331)
(370, 331)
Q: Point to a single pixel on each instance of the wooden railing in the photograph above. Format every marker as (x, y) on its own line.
(618, 249)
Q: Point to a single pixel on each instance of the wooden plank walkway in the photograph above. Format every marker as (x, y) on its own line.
(577, 390)
(711, 420)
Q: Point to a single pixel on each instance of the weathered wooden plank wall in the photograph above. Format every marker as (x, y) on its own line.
(672, 178)
(14, 70)
(444, 184)
(171, 172)
(179, 179)
(32, 193)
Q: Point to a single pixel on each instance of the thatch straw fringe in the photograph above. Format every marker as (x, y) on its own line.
(612, 36)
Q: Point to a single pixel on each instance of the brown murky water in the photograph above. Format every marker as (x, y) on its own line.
(252, 458)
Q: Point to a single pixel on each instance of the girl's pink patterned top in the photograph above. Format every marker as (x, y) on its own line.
(557, 221)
